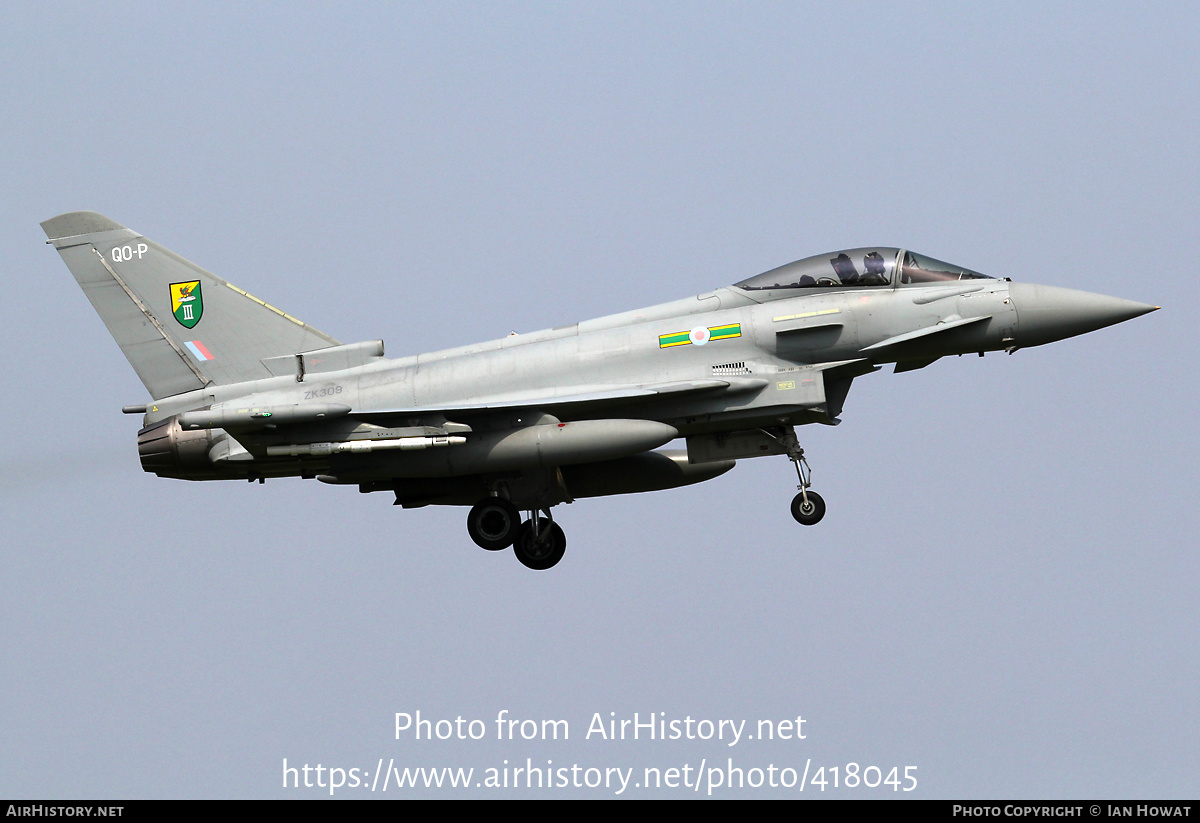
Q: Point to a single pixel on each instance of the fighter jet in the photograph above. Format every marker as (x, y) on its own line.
(243, 390)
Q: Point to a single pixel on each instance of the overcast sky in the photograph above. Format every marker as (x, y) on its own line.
(1003, 593)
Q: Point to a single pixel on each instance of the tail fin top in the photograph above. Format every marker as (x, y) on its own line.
(80, 222)
(180, 327)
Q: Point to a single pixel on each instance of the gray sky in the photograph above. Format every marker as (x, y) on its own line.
(1003, 593)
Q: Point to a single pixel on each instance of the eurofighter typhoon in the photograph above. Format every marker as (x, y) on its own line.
(243, 390)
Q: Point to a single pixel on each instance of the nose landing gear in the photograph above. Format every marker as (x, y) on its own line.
(808, 507)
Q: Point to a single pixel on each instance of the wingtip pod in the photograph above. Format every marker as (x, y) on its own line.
(75, 223)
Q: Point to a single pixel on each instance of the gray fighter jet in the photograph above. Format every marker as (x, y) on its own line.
(243, 390)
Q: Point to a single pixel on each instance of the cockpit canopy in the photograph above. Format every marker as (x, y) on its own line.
(856, 268)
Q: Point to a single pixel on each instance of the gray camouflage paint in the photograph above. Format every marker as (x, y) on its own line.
(505, 416)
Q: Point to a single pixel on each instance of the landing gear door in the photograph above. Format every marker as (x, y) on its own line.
(709, 448)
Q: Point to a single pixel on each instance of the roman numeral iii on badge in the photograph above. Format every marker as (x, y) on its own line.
(187, 303)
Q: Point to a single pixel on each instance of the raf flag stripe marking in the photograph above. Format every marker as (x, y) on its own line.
(197, 348)
(683, 338)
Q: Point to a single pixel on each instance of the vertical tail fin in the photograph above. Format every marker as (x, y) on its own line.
(180, 327)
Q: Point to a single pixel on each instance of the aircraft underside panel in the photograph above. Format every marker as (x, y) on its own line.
(708, 448)
(649, 471)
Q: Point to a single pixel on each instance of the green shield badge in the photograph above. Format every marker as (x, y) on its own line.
(187, 303)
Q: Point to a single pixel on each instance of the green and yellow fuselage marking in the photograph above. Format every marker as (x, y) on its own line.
(679, 338)
(687, 338)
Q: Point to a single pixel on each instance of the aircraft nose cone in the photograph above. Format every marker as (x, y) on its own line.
(1048, 313)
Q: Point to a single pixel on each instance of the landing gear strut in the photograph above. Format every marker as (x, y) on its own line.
(493, 523)
(540, 542)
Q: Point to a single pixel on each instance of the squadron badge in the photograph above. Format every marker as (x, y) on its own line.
(187, 303)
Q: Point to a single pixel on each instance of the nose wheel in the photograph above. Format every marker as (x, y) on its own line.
(808, 508)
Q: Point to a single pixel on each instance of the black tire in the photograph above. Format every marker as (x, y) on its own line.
(811, 513)
(493, 523)
(539, 556)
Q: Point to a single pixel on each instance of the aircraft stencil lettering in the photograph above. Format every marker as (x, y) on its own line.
(531, 421)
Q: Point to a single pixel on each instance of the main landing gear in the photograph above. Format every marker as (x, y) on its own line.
(494, 523)
(540, 542)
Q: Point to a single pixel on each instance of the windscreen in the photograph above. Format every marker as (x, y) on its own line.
(917, 268)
